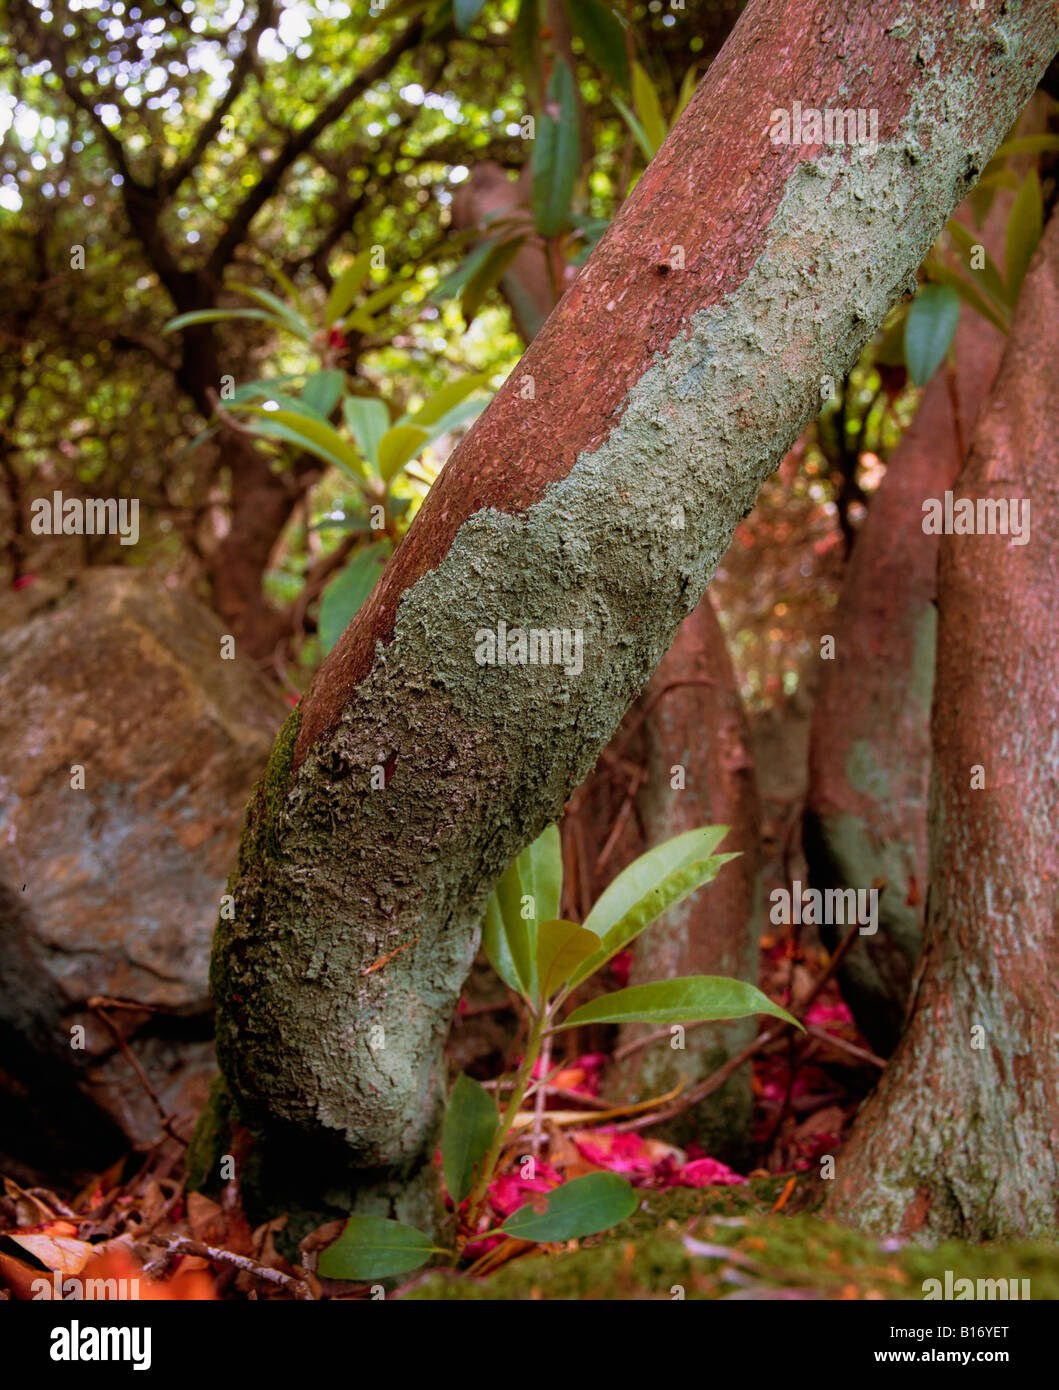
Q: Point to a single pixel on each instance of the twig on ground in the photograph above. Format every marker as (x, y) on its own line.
(181, 1245)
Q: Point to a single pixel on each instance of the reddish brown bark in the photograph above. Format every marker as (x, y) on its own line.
(690, 407)
(869, 755)
(716, 198)
(960, 1137)
(689, 726)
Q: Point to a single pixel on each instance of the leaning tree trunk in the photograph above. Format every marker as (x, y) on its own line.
(594, 497)
(960, 1137)
(869, 752)
(699, 770)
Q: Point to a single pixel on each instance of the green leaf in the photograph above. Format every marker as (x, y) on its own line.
(687, 91)
(557, 152)
(989, 275)
(471, 1121)
(691, 999)
(346, 287)
(648, 887)
(526, 47)
(381, 298)
(1025, 226)
(453, 284)
(509, 939)
(294, 322)
(497, 946)
(488, 274)
(648, 108)
(929, 328)
(322, 390)
(561, 947)
(578, 1208)
(398, 446)
(261, 389)
(369, 420)
(446, 399)
(891, 349)
(1028, 144)
(314, 436)
(639, 134)
(216, 316)
(942, 275)
(345, 595)
(373, 1248)
(465, 12)
(600, 31)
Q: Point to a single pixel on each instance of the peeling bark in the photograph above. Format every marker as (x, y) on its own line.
(655, 393)
(869, 754)
(960, 1137)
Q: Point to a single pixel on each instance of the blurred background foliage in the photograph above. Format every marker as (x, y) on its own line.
(162, 162)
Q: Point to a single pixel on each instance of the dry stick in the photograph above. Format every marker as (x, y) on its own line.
(715, 1081)
(542, 1091)
(861, 1053)
(181, 1245)
(96, 1003)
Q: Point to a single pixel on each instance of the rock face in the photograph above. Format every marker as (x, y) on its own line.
(113, 889)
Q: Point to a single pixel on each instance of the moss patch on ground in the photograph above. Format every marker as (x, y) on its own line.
(751, 1250)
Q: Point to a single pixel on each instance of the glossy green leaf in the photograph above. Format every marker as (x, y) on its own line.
(322, 390)
(581, 1207)
(217, 316)
(386, 296)
(526, 47)
(891, 349)
(465, 12)
(488, 275)
(509, 938)
(929, 328)
(638, 132)
(988, 276)
(648, 887)
(294, 321)
(599, 29)
(691, 999)
(471, 1120)
(346, 288)
(368, 419)
(346, 594)
(648, 108)
(561, 947)
(314, 436)
(1028, 144)
(373, 1248)
(1025, 226)
(556, 153)
(942, 275)
(687, 91)
(398, 446)
(446, 399)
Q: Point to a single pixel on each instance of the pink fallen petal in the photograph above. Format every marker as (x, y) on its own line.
(706, 1172)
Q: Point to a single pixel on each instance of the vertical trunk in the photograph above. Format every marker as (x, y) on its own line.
(695, 734)
(960, 1137)
(869, 754)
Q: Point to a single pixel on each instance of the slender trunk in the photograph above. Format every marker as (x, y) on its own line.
(594, 499)
(699, 771)
(869, 754)
(960, 1138)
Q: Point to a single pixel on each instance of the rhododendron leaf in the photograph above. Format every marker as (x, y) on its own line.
(578, 1208)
